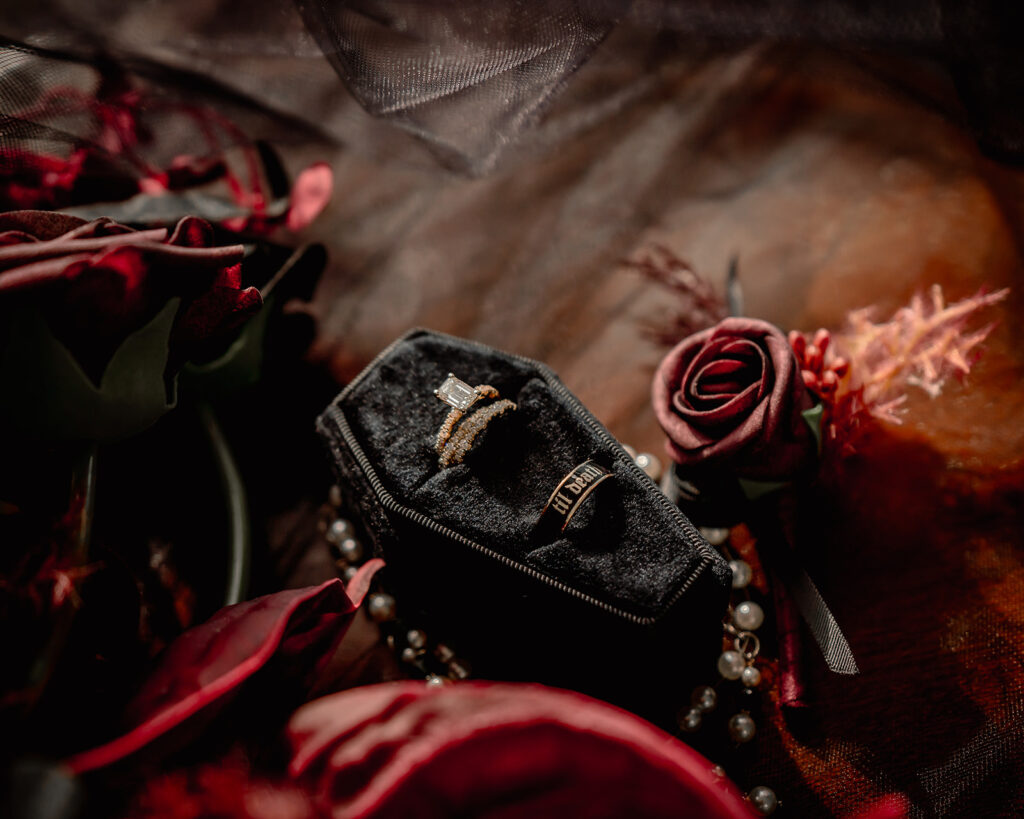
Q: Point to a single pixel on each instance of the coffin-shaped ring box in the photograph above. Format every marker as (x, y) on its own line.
(623, 603)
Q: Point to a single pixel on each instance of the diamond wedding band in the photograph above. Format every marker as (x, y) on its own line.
(450, 444)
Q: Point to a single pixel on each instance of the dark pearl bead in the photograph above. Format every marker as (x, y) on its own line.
(691, 720)
(458, 669)
(704, 699)
(742, 727)
(416, 638)
(380, 607)
(763, 800)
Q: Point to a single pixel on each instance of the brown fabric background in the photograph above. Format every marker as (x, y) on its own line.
(834, 193)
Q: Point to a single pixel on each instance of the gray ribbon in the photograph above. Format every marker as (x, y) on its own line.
(812, 606)
(819, 618)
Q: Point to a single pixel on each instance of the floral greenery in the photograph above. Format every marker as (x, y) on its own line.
(99, 318)
(64, 403)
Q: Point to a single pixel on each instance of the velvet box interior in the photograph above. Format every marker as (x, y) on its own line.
(624, 603)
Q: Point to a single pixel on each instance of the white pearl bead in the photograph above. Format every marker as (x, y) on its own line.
(764, 800)
(409, 655)
(731, 665)
(351, 549)
(715, 535)
(434, 681)
(649, 464)
(691, 720)
(338, 531)
(380, 607)
(748, 615)
(742, 728)
(704, 699)
(751, 677)
(742, 574)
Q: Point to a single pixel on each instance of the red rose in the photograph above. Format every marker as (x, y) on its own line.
(730, 399)
(97, 282)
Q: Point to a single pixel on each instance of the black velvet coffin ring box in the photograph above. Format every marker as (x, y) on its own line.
(625, 603)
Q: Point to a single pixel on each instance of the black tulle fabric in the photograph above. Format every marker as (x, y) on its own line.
(468, 79)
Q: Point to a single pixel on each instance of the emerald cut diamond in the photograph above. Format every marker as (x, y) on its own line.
(456, 393)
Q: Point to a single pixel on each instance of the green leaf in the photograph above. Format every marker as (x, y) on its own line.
(239, 366)
(45, 393)
(813, 417)
(757, 489)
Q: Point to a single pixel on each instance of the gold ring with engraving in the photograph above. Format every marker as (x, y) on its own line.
(572, 490)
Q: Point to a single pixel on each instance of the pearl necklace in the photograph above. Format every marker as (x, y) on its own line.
(438, 664)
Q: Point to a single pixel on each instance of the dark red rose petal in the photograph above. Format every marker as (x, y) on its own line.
(192, 232)
(721, 379)
(208, 663)
(97, 282)
(729, 399)
(15, 255)
(495, 750)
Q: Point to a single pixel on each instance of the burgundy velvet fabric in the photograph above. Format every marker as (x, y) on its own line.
(204, 667)
(495, 750)
(730, 397)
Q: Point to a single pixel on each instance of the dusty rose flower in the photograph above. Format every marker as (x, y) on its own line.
(97, 282)
(730, 400)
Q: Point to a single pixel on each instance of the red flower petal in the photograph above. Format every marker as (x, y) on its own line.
(490, 750)
(97, 282)
(192, 232)
(310, 194)
(208, 663)
(730, 400)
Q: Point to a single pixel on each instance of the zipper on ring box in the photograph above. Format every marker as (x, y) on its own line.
(691, 536)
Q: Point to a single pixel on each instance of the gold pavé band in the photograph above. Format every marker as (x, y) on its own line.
(443, 434)
(462, 439)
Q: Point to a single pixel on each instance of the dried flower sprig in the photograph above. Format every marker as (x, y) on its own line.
(863, 372)
(922, 345)
(700, 306)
